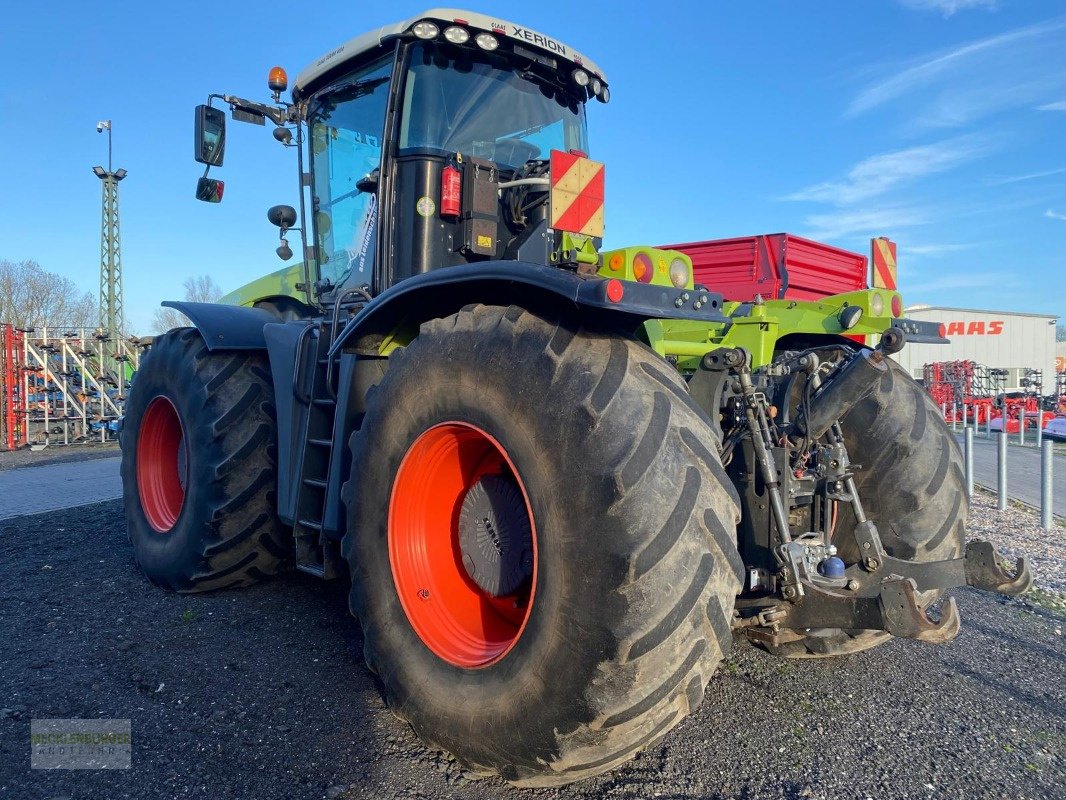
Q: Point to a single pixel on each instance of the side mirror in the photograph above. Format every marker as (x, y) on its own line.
(210, 142)
(209, 190)
(282, 216)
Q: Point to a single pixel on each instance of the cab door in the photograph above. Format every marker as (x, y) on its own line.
(346, 128)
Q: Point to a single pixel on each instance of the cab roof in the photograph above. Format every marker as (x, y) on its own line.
(476, 22)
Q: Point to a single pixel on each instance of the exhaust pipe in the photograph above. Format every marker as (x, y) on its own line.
(838, 395)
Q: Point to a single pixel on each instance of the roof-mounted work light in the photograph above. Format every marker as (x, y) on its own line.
(456, 34)
(486, 41)
(425, 29)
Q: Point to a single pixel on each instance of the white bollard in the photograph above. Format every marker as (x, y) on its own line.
(969, 461)
(1047, 451)
(1001, 468)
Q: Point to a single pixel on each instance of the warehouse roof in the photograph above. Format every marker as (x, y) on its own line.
(980, 311)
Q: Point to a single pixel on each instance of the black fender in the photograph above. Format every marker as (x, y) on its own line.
(608, 302)
(227, 327)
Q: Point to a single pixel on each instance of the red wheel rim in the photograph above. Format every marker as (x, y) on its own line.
(161, 462)
(454, 617)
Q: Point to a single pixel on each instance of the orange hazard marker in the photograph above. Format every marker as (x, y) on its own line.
(884, 263)
(576, 202)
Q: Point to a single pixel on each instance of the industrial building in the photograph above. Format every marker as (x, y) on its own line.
(1011, 340)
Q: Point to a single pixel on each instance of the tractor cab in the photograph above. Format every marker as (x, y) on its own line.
(422, 145)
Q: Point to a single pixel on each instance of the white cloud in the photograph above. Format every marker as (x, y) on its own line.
(967, 281)
(1058, 105)
(935, 249)
(1053, 214)
(878, 174)
(863, 224)
(985, 74)
(1028, 177)
(950, 7)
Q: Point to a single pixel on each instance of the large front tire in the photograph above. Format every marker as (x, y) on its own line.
(612, 474)
(199, 467)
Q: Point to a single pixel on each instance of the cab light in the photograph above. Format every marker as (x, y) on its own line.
(679, 273)
(877, 305)
(456, 35)
(643, 269)
(425, 29)
(486, 41)
(581, 78)
(897, 306)
(596, 86)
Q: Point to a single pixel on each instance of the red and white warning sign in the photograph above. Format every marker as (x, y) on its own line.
(883, 259)
(576, 200)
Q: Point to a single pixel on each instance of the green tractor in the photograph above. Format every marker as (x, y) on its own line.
(560, 480)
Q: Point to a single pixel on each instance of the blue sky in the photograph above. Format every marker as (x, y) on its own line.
(940, 123)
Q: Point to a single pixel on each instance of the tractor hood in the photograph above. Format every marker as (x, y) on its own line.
(475, 23)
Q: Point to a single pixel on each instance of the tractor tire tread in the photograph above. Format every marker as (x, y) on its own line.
(237, 538)
(659, 630)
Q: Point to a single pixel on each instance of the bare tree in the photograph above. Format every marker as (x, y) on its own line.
(198, 289)
(33, 297)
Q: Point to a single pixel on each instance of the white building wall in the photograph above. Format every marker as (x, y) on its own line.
(998, 339)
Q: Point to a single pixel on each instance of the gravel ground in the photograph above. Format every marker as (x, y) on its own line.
(262, 693)
(24, 457)
(1017, 532)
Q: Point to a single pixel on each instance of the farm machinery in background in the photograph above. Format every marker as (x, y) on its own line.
(56, 386)
(969, 393)
(559, 478)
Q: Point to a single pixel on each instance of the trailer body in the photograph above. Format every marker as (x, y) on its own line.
(777, 266)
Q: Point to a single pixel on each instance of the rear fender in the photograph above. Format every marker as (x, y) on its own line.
(226, 327)
(393, 317)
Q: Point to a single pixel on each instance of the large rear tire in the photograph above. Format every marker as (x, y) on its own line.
(911, 484)
(199, 467)
(609, 476)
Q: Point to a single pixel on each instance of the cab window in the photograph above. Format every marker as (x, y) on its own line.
(346, 127)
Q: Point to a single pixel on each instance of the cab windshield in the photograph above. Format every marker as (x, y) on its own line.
(469, 103)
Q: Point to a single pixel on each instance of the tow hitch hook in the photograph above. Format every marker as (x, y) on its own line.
(905, 618)
(984, 570)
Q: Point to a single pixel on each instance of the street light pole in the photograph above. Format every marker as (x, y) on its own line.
(112, 319)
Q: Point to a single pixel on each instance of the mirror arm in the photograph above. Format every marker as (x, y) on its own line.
(279, 116)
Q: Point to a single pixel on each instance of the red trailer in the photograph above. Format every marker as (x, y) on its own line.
(776, 266)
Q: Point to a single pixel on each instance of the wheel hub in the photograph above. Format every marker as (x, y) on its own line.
(495, 537)
(162, 464)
